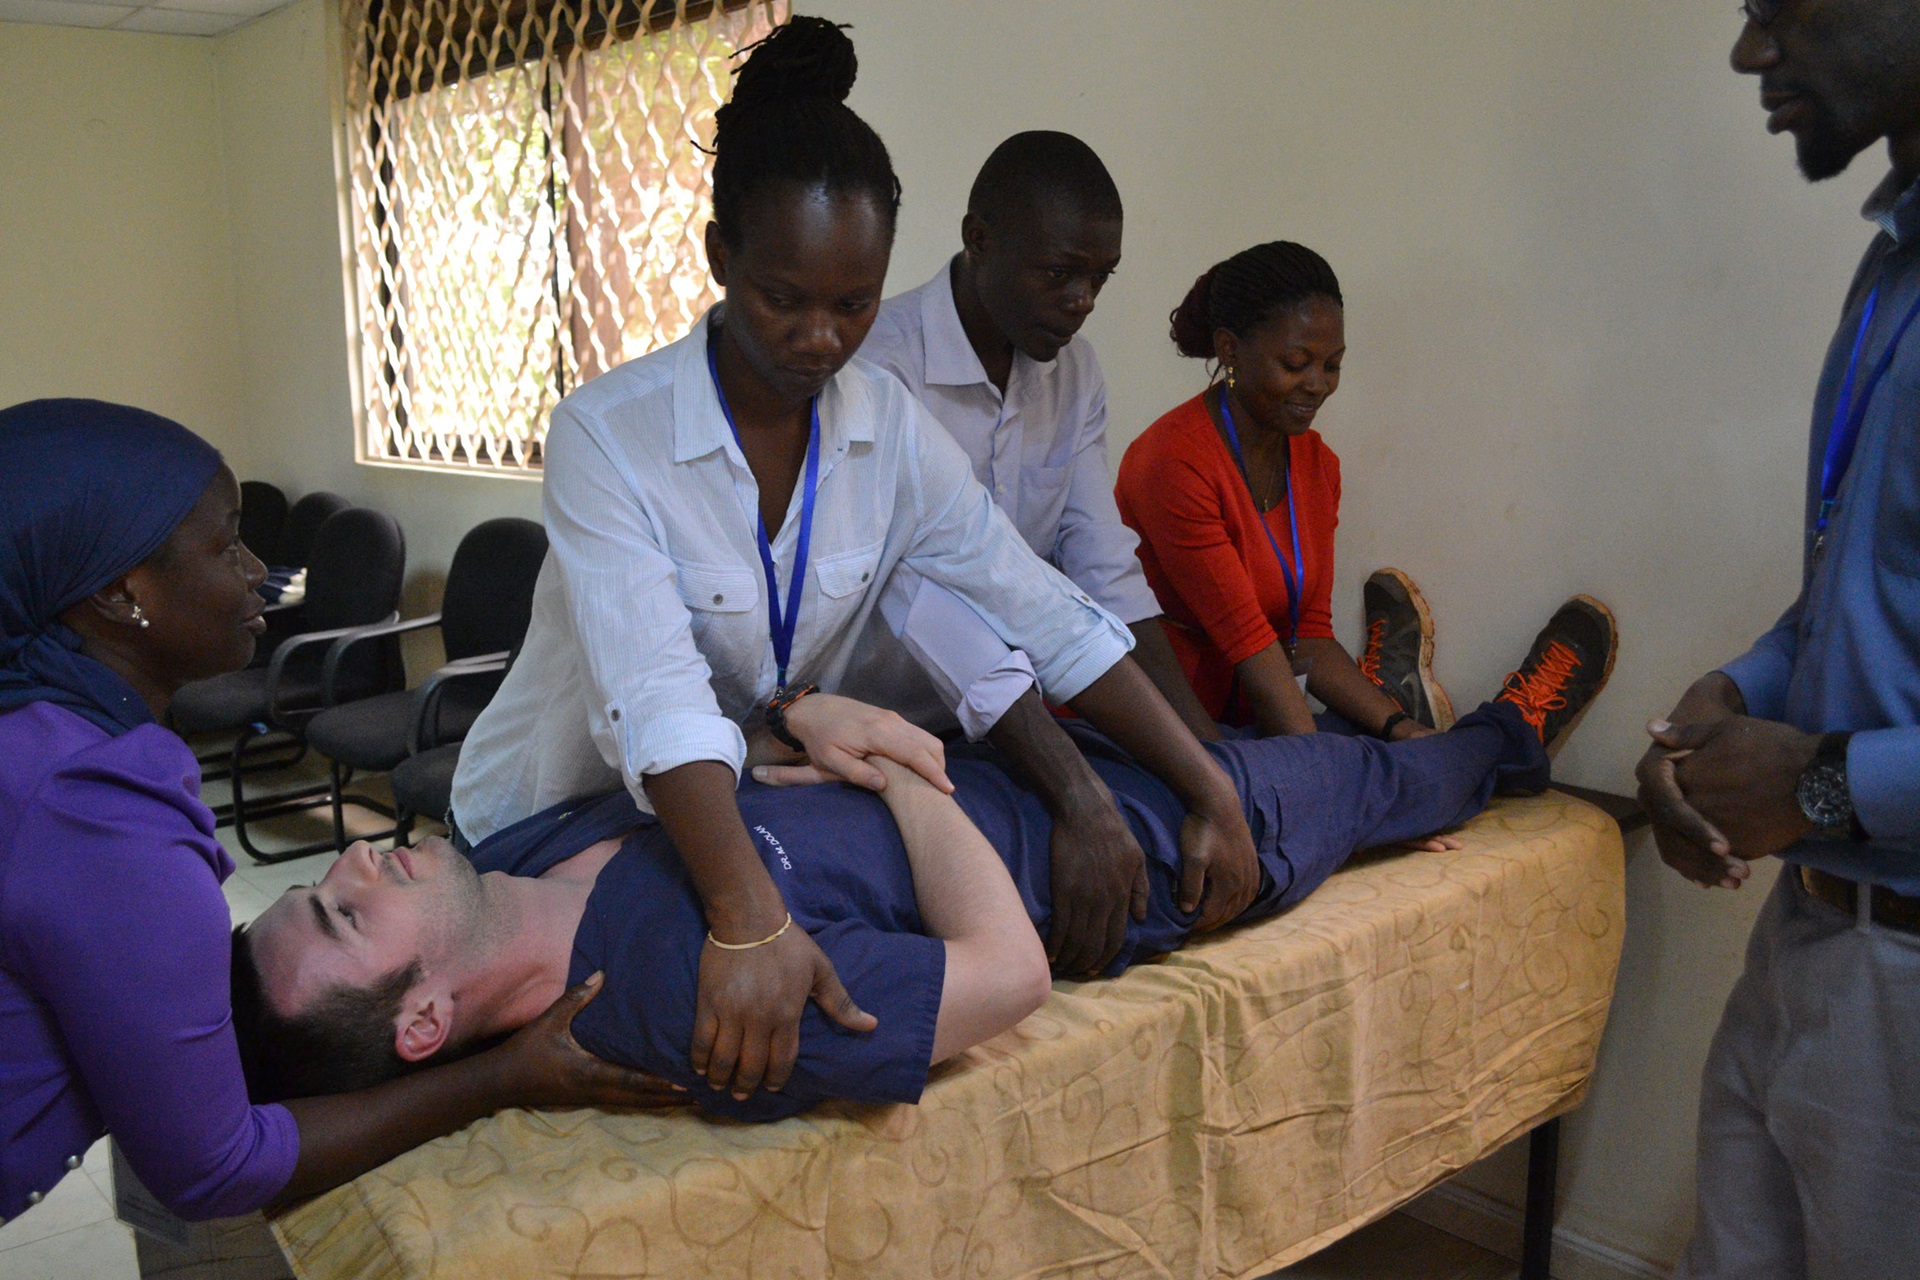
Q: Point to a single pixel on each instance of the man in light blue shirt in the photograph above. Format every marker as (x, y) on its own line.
(1808, 745)
(991, 346)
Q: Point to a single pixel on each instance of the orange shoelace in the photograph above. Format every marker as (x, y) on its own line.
(1537, 693)
(1370, 656)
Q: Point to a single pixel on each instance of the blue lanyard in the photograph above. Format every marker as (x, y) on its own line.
(781, 625)
(1848, 417)
(1290, 573)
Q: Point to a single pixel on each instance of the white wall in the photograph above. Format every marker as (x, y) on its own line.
(114, 281)
(1587, 297)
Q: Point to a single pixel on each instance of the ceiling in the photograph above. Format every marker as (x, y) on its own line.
(168, 17)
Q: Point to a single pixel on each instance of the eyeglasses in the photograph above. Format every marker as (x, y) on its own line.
(1762, 13)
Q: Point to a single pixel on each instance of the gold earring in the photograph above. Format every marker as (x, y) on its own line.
(139, 616)
(1229, 377)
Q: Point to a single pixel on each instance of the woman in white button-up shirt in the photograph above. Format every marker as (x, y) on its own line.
(651, 638)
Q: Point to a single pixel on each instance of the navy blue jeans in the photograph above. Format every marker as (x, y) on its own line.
(1314, 799)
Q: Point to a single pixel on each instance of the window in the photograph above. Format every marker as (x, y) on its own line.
(527, 202)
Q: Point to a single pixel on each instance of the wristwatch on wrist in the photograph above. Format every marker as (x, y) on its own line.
(776, 713)
(1822, 790)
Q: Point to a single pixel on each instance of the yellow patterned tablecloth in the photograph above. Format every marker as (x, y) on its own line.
(1222, 1113)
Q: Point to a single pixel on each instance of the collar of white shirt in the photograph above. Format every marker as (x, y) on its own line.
(700, 424)
(951, 359)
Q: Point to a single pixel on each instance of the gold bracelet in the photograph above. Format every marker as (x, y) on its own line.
(748, 946)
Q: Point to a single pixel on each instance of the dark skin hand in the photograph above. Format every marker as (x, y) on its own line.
(1219, 871)
(1334, 678)
(539, 1066)
(1720, 785)
(1154, 652)
(746, 1030)
(1273, 695)
(1099, 874)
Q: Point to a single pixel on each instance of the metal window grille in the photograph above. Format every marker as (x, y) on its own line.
(528, 200)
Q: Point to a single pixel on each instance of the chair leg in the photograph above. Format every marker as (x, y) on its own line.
(286, 802)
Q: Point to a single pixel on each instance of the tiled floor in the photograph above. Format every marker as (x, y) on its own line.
(72, 1235)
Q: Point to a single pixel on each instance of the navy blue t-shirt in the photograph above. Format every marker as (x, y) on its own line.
(839, 862)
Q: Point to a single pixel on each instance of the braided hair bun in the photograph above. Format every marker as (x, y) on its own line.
(1247, 290)
(788, 122)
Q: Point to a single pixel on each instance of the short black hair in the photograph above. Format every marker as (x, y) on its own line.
(1247, 290)
(343, 1042)
(1040, 165)
(788, 122)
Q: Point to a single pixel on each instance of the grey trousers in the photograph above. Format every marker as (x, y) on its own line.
(1809, 1158)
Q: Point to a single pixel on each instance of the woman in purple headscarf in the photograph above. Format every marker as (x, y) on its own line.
(122, 577)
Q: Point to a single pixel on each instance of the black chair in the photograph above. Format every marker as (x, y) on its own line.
(263, 516)
(423, 784)
(292, 550)
(353, 581)
(483, 617)
(303, 526)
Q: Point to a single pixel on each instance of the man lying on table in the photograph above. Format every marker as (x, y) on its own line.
(928, 904)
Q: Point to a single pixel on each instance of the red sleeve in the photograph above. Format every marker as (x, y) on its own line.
(1173, 499)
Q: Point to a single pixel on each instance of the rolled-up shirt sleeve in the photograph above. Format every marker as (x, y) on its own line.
(122, 930)
(976, 675)
(1763, 672)
(1095, 549)
(651, 705)
(965, 543)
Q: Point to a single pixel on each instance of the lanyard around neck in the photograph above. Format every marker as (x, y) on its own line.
(781, 624)
(1849, 416)
(1292, 573)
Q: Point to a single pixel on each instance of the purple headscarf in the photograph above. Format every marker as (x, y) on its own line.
(88, 490)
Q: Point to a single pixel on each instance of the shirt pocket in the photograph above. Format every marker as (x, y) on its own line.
(715, 588)
(1043, 490)
(846, 575)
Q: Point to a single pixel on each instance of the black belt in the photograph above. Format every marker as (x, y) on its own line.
(1884, 906)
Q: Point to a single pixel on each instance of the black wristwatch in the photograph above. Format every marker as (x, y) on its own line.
(776, 713)
(1822, 791)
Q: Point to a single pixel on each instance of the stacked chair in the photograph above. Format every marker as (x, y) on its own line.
(355, 566)
(415, 733)
(263, 515)
(282, 539)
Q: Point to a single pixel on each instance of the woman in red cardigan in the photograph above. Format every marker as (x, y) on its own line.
(1235, 497)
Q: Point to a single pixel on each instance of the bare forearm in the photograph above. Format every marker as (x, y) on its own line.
(1154, 653)
(1335, 679)
(1267, 683)
(697, 806)
(1045, 758)
(1124, 705)
(343, 1136)
(959, 883)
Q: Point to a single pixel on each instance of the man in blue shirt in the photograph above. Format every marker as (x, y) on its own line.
(1808, 745)
(930, 906)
